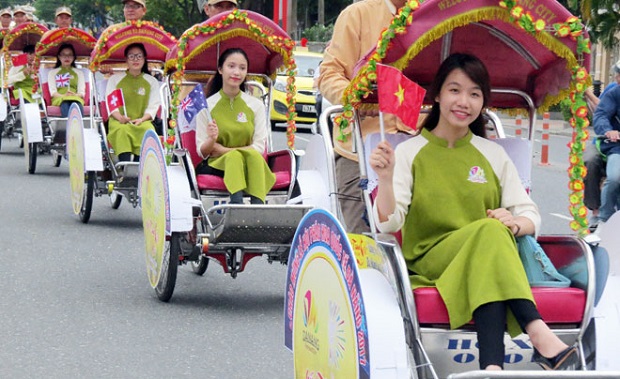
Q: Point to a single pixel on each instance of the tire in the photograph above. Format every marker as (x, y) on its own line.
(200, 266)
(115, 200)
(87, 200)
(33, 149)
(168, 276)
(20, 137)
(57, 158)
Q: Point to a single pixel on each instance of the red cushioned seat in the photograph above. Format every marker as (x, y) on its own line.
(280, 165)
(556, 305)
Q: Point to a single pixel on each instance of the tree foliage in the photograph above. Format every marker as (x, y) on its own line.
(602, 18)
(174, 15)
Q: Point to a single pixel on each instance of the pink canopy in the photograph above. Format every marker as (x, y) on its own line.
(536, 63)
(110, 47)
(265, 43)
(28, 33)
(82, 42)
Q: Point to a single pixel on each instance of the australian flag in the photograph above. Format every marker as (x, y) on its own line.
(193, 103)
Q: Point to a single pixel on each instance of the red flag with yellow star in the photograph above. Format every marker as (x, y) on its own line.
(399, 95)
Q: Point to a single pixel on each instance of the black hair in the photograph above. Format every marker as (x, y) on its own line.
(476, 71)
(145, 66)
(61, 48)
(28, 49)
(216, 82)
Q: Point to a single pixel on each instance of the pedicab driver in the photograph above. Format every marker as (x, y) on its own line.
(214, 7)
(483, 207)
(6, 17)
(231, 137)
(128, 124)
(20, 15)
(63, 17)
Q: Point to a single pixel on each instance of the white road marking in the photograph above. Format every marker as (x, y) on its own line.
(561, 216)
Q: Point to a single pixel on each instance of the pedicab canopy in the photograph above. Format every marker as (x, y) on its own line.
(533, 46)
(266, 44)
(82, 42)
(110, 48)
(28, 33)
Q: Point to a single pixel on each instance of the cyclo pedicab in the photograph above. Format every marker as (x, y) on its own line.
(16, 110)
(349, 308)
(187, 217)
(46, 51)
(98, 171)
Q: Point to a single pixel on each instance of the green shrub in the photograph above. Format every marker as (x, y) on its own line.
(319, 33)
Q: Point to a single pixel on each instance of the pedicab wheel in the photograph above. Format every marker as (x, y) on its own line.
(168, 276)
(200, 266)
(87, 199)
(21, 140)
(57, 158)
(33, 149)
(115, 199)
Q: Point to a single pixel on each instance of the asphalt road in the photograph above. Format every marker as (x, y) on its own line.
(75, 301)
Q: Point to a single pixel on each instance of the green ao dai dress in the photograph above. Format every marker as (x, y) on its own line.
(141, 95)
(241, 123)
(442, 195)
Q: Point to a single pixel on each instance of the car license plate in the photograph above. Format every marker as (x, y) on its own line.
(308, 108)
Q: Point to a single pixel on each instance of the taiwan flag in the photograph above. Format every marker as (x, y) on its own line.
(398, 95)
(115, 100)
(191, 105)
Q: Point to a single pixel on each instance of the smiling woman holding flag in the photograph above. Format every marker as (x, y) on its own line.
(131, 114)
(66, 83)
(460, 203)
(231, 137)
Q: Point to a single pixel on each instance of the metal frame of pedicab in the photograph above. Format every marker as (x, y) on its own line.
(419, 37)
(109, 51)
(45, 54)
(13, 43)
(211, 228)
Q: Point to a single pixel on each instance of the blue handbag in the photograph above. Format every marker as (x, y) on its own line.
(538, 267)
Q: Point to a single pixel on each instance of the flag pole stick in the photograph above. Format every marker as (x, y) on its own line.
(381, 126)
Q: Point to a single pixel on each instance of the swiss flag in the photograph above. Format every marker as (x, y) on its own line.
(115, 100)
(398, 95)
(19, 60)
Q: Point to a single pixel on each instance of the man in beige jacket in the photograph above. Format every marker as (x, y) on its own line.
(356, 31)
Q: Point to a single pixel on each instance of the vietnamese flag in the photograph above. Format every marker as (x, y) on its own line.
(19, 60)
(398, 95)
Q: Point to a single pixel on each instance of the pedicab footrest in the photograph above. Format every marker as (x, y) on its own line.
(255, 224)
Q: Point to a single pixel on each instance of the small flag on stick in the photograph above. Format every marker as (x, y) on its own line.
(399, 95)
(115, 100)
(193, 103)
